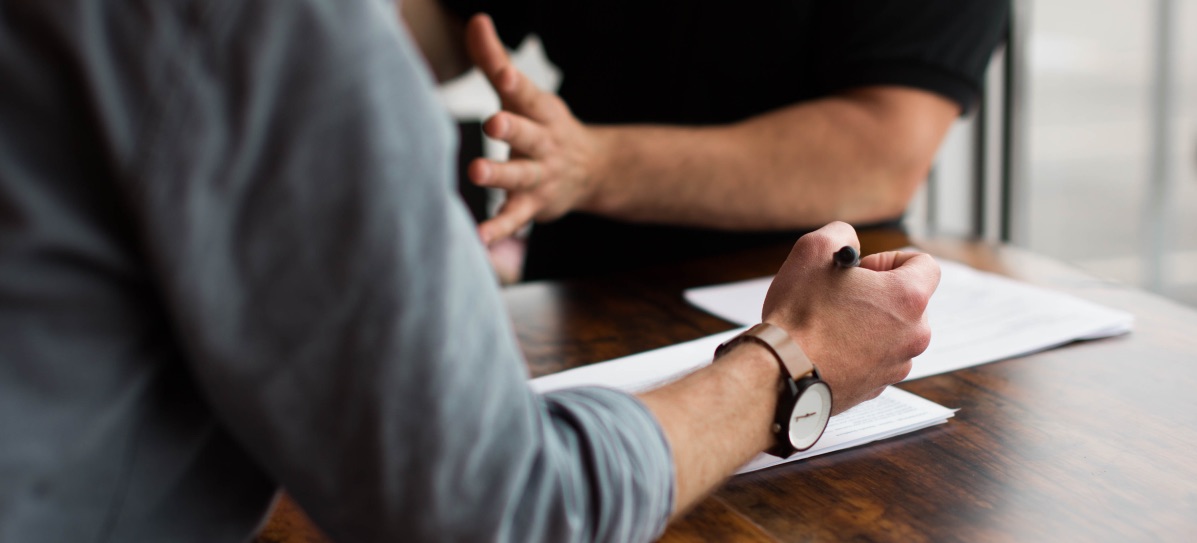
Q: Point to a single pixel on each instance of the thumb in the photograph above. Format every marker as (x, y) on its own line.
(918, 270)
(888, 260)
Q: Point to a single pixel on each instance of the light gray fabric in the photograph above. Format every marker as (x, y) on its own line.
(231, 258)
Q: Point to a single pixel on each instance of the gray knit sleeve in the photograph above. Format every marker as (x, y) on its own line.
(336, 307)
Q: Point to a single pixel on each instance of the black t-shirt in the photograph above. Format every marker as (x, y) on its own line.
(696, 62)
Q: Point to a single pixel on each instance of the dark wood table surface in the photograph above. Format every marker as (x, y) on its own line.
(1094, 441)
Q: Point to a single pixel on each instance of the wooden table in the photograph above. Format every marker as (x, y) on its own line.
(1092, 441)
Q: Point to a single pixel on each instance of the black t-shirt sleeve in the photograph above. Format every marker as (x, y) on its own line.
(941, 46)
(512, 17)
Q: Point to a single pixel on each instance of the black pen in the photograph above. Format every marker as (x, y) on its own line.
(848, 257)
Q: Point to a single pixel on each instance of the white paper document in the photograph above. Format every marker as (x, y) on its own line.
(893, 413)
(976, 317)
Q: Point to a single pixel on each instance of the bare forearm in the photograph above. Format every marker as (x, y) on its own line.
(848, 158)
(717, 419)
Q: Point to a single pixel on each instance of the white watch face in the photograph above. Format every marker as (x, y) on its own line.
(810, 415)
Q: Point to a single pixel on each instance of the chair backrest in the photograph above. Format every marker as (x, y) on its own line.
(975, 187)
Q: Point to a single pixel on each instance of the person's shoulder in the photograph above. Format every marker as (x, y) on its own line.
(315, 43)
(303, 20)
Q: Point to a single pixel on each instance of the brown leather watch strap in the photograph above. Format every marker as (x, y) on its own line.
(778, 341)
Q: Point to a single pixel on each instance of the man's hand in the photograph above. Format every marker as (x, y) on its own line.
(857, 155)
(552, 153)
(860, 326)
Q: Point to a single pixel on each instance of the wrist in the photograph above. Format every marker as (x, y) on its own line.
(598, 198)
(798, 334)
(756, 367)
(804, 402)
(754, 370)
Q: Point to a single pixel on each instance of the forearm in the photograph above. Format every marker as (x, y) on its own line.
(717, 419)
(849, 157)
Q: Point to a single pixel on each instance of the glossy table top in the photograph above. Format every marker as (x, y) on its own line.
(1091, 441)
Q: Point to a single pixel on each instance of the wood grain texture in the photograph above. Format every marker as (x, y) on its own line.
(287, 523)
(1094, 441)
(714, 520)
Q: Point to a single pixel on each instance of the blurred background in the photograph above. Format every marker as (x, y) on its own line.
(1104, 141)
(1111, 180)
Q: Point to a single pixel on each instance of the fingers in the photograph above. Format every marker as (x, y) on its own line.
(888, 260)
(880, 261)
(908, 282)
(918, 271)
(484, 47)
(506, 257)
(517, 174)
(519, 94)
(515, 213)
(523, 135)
(516, 91)
(920, 339)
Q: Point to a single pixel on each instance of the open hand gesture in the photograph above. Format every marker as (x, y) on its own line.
(553, 155)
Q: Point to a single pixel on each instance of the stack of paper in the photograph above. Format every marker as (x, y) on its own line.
(893, 413)
(975, 317)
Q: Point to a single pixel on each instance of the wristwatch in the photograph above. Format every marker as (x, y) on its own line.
(804, 399)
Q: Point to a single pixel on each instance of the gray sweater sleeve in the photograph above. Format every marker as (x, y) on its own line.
(292, 193)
